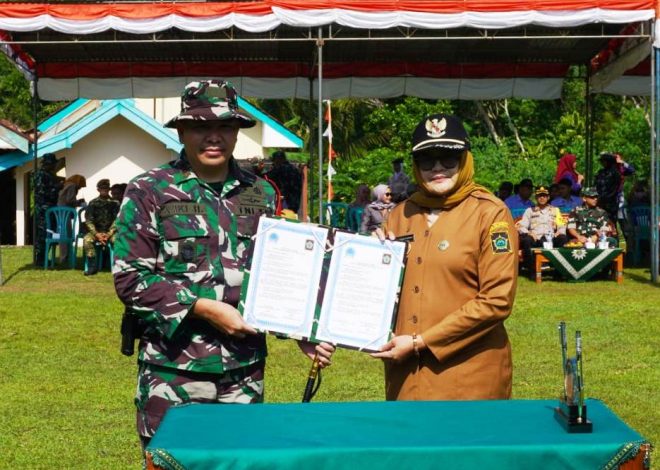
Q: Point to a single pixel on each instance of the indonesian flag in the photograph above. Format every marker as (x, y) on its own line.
(331, 152)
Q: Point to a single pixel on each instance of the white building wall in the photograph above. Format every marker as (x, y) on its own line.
(19, 174)
(117, 150)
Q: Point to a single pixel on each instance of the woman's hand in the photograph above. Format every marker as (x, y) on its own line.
(324, 350)
(223, 317)
(380, 233)
(399, 348)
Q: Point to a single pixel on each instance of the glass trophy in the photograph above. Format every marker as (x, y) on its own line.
(572, 411)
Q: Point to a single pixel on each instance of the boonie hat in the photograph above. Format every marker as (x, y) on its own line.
(103, 184)
(440, 131)
(590, 192)
(49, 158)
(210, 100)
(542, 191)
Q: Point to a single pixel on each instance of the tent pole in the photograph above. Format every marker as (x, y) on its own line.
(589, 137)
(655, 174)
(35, 148)
(319, 45)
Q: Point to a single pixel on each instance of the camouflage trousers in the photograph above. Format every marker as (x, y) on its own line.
(159, 388)
(89, 243)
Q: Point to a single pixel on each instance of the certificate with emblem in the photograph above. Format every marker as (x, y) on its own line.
(311, 282)
(280, 291)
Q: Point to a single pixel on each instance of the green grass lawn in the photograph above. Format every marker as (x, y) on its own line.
(67, 391)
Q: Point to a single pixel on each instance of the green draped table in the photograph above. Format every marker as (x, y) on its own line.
(513, 434)
(579, 264)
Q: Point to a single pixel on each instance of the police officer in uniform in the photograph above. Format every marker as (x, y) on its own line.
(460, 278)
(183, 236)
(540, 223)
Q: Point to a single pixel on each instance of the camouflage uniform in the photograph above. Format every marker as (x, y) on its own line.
(100, 217)
(178, 239)
(587, 222)
(47, 186)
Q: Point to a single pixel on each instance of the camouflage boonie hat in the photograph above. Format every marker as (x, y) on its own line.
(49, 159)
(210, 100)
(103, 184)
(590, 192)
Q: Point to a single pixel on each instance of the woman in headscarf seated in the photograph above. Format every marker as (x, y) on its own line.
(376, 212)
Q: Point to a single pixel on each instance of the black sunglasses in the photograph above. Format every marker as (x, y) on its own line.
(427, 161)
(388, 194)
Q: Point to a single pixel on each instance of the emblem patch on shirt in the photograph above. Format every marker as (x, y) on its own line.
(499, 237)
(251, 201)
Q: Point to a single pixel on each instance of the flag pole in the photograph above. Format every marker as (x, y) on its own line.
(319, 45)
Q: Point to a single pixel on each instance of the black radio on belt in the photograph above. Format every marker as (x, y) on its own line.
(132, 328)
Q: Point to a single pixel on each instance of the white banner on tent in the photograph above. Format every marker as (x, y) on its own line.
(297, 87)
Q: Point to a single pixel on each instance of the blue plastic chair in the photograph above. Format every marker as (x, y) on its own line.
(336, 213)
(60, 228)
(100, 251)
(640, 219)
(354, 218)
(518, 212)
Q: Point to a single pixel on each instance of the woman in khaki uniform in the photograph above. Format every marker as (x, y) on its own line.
(460, 279)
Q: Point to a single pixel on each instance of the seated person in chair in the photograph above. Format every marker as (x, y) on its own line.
(521, 200)
(565, 200)
(540, 223)
(100, 222)
(589, 222)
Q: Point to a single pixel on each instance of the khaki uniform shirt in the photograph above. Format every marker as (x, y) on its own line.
(458, 289)
(539, 222)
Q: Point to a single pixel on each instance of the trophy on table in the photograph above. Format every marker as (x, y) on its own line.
(572, 412)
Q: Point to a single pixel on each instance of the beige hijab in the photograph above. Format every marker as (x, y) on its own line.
(465, 185)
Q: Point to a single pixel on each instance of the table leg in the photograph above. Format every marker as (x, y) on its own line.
(538, 263)
(618, 268)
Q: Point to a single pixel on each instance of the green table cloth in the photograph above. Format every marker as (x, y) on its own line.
(388, 435)
(580, 264)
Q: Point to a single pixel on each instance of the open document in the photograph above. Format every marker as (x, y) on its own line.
(312, 282)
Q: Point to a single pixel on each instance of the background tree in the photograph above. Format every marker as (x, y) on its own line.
(16, 100)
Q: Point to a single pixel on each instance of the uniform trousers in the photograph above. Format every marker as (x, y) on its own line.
(159, 388)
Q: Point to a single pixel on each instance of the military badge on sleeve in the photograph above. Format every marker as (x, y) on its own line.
(499, 238)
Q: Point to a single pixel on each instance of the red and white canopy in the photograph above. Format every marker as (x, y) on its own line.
(260, 16)
(469, 49)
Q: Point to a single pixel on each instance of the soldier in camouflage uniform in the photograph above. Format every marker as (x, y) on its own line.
(588, 222)
(47, 186)
(100, 217)
(183, 237)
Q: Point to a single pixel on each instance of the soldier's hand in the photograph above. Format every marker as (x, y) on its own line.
(324, 350)
(223, 317)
